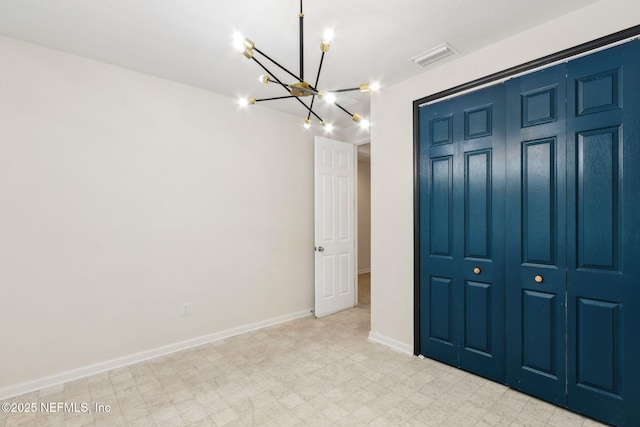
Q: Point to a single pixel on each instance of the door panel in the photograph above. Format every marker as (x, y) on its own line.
(440, 293)
(538, 222)
(539, 333)
(477, 215)
(598, 178)
(536, 263)
(603, 271)
(441, 206)
(462, 205)
(598, 361)
(478, 317)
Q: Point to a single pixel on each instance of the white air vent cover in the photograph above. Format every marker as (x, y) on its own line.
(432, 55)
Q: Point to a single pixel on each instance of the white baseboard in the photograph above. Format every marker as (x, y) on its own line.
(390, 342)
(364, 270)
(30, 386)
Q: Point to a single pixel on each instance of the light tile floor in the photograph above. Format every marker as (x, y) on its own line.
(307, 372)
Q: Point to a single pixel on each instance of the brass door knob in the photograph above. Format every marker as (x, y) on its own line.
(538, 279)
(476, 270)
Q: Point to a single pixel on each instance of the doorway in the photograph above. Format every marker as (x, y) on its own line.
(363, 241)
(342, 225)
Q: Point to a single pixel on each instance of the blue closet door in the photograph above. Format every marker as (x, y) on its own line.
(536, 224)
(462, 234)
(537, 182)
(603, 231)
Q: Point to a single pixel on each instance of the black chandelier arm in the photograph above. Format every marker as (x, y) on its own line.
(351, 89)
(311, 111)
(275, 98)
(342, 108)
(277, 64)
(271, 74)
(285, 87)
(301, 43)
(313, 99)
(319, 69)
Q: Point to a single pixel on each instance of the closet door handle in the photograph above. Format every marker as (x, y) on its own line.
(538, 279)
(477, 271)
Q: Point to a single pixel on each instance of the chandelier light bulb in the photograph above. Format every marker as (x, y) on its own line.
(329, 97)
(244, 102)
(369, 87)
(238, 42)
(243, 45)
(264, 79)
(325, 44)
(328, 127)
(327, 36)
(364, 124)
(307, 123)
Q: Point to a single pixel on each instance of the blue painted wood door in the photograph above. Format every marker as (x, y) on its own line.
(462, 236)
(557, 214)
(603, 235)
(573, 234)
(536, 229)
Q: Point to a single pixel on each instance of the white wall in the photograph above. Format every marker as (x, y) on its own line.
(392, 150)
(364, 213)
(123, 196)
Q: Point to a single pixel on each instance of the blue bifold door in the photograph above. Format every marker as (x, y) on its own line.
(530, 233)
(536, 226)
(462, 283)
(603, 231)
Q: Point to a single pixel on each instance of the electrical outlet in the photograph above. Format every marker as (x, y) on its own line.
(186, 309)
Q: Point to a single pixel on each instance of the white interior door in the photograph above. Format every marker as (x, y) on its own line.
(334, 226)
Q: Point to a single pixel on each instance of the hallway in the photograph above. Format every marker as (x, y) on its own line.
(364, 289)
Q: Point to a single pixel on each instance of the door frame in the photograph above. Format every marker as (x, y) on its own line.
(540, 63)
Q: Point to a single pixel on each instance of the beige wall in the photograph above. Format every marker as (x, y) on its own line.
(124, 196)
(364, 213)
(392, 150)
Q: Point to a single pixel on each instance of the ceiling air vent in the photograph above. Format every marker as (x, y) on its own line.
(432, 55)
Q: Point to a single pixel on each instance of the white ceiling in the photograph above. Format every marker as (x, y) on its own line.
(189, 41)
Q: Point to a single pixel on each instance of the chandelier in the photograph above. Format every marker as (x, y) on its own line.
(300, 88)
